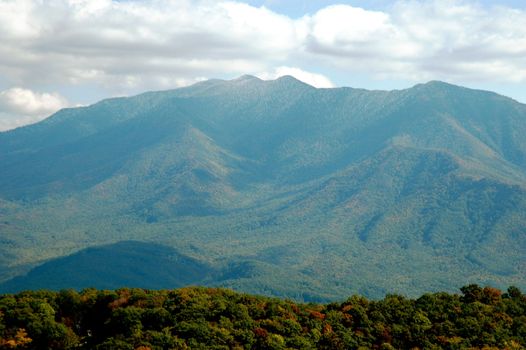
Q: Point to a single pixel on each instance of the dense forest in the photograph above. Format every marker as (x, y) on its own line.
(209, 318)
(269, 187)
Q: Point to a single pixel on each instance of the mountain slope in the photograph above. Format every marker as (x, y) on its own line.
(134, 264)
(344, 189)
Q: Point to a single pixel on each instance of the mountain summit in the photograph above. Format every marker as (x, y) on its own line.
(284, 188)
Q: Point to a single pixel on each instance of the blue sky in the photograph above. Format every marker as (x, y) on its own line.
(298, 8)
(63, 53)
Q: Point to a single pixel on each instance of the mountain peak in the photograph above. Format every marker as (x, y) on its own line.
(247, 77)
(289, 80)
(435, 84)
(438, 83)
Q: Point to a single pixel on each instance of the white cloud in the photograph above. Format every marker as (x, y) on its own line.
(314, 79)
(20, 106)
(344, 25)
(419, 40)
(123, 47)
(24, 101)
(128, 44)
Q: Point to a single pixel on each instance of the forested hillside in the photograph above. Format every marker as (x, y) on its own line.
(200, 318)
(334, 191)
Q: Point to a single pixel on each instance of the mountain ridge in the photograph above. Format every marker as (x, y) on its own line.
(314, 182)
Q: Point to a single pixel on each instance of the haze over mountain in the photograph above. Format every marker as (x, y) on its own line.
(284, 188)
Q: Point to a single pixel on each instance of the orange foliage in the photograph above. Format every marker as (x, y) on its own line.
(347, 308)
(261, 332)
(491, 295)
(119, 302)
(21, 339)
(317, 315)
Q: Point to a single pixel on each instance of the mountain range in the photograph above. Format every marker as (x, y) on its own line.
(272, 187)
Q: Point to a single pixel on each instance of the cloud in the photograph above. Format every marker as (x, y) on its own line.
(24, 101)
(123, 47)
(127, 44)
(419, 40)
(20, 106)
(314, 79)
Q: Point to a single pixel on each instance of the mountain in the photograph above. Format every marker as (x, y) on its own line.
(286, 189)
(126, 263)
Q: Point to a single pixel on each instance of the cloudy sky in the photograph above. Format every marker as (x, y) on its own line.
(59, 53)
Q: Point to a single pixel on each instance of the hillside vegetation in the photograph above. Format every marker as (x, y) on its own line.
(200, 318)
(293, 191)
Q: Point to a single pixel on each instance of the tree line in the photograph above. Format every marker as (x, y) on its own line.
(212, 318)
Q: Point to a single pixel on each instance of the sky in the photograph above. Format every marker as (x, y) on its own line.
(66, 53)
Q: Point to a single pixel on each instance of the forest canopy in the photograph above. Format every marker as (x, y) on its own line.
(211, 318)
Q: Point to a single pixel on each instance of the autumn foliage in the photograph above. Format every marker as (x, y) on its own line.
(208, 318)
